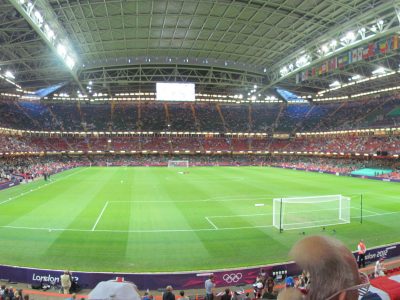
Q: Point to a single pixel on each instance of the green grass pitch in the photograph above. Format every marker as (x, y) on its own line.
(155, 219)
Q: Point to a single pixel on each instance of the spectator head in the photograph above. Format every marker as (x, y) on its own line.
(26, 297)
(332, 267)
(182, 293)
(169, 288)
(290, 294)
(227, 291)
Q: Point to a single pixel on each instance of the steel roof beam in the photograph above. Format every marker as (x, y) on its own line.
(49, 18)
(386, 11)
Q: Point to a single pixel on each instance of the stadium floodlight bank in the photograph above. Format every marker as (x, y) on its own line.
(305, 212)
(178, 164)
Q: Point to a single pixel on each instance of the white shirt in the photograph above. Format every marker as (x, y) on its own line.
(379, 268)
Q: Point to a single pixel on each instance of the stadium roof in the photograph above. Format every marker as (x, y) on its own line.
(219, 44)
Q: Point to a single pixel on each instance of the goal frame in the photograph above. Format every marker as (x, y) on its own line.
(278, 212)
(179, 164)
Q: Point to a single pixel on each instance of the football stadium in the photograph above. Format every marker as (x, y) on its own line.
(235, 149)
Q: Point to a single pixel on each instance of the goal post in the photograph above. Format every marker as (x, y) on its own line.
(304, 212)
(178, 164)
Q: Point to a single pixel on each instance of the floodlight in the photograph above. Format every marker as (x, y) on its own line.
(70, 62)
(48, 32)
(302, 61)
(61, 50)
(9, 74)
(380, 25)
(324, 49)
(39, 17)
(335, 84)
(380, 70)
(350, 36)
(362, 31)
(284, 71)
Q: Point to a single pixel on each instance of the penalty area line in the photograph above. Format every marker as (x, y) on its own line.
(212, 224)
(99, 217)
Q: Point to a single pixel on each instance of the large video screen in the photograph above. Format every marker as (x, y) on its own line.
(175, 91)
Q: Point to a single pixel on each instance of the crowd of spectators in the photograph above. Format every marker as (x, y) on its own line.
(361, 144)
(341, 166)
(154, 116)
(11, 293)
(29, 168)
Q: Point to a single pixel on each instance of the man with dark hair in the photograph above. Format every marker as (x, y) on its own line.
(227, 295)
(183, 297)
(379, 268)
(332, 267)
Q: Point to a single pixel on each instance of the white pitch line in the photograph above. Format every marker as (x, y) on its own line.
(39, 187)
(366, 210)
(167, 230)
(269, 214)
(376, 215)
(212, 224)
(370, 211)
(233, 216)
(136, 231)
(99, 217)
(190, 201)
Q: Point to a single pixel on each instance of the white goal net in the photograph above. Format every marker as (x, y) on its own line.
(304, 212)
(178, 164)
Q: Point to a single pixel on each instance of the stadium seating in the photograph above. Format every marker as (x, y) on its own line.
(153, 116)
(327, 144)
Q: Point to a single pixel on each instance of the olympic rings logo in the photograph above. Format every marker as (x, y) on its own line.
(234, 277)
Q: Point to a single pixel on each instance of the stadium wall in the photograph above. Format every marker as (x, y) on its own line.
(8, 184)
(184, 280)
